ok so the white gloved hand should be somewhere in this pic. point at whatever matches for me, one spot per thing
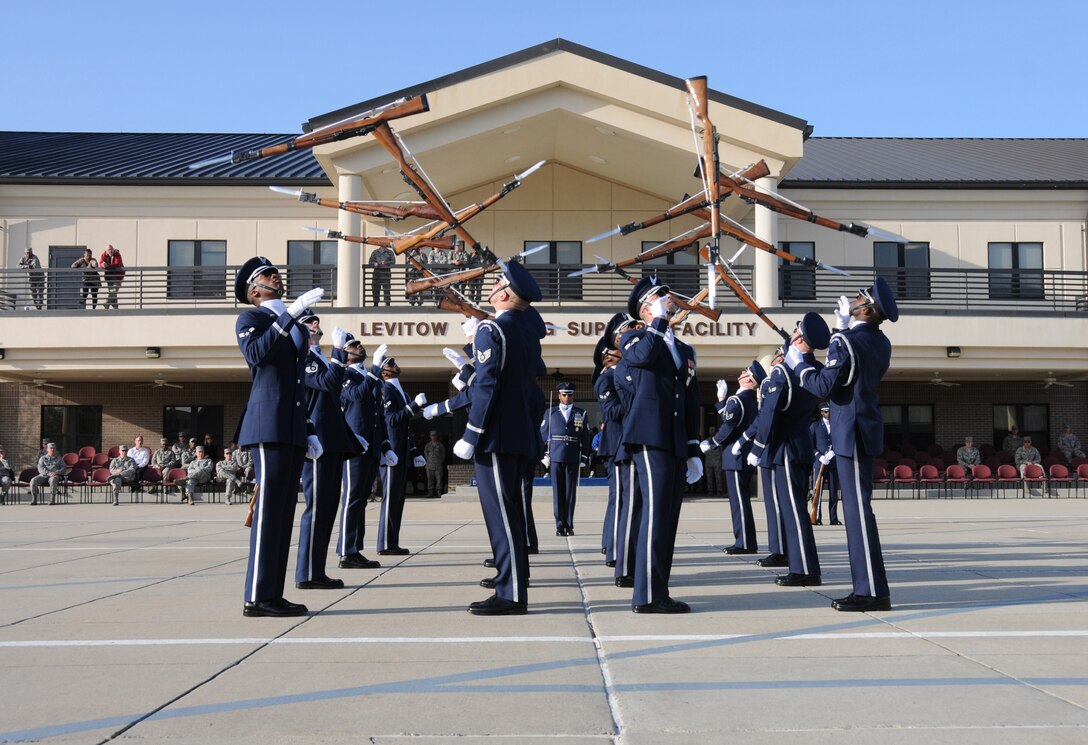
(546, 461)
(305, 300)
(829, 455)
(390, 458)
(379, 355)
(695, 470)
(737, 447)
(456, 358)
(362, 441)
(794, 357)
(275, 305)
(464, 450)
(842, 313)
(753, 460)
(421, 399)
(340, 337)
(430, 412)
(313, 447)
(706, 446)
(469, 327)
(419, 461)
(657, 308)
(825, 460)
(458, 383)
(723, 389)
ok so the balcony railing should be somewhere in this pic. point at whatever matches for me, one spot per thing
(173, 288)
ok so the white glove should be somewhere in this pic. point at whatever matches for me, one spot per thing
(842, 313)
(379, 355)
(824, 459)
(390, 458)
(363, 442)
(455, 357)
(305, 300)
(723, 389)
(753, 460)
(546, 461)
(469, 327)
(706, 446)
(829, 455)
(340, 337)
(737, 447)
(313, 447)
(419, 461)
(421, 399)
(464, 450)
(458, 383)
(275, 305)
(695, 470)
(430, 412)
(657, 308)
(794, 357)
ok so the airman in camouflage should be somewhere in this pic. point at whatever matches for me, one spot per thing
(51, 470)
(122, 471)
(244, 459)
(1069, 444)
(201, 469)
(230, 473)
(188, 453)
(7, 477)
(165, 458)
(968, 455)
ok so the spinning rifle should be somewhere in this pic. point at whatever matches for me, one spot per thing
(438, 281)
(373, 209)
(814, 508)
(383, 240)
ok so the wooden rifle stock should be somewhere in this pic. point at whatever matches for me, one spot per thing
(814, 509)
(754, 196)
(435, 282)
(252, 506)
(388, 241)
(742, 294)
(697, 90)
(464, 308)
(746, 236)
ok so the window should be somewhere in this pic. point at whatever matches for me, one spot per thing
(186, 279)
(1032, 419)
(554, 282)
(197, 421)
(72, 427)
(905, 267)
(316, 267)
(684, 278)
(798, 282)
(907, 425)
(1016, 271)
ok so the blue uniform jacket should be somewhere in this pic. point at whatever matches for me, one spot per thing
(324, 380)
(820, 438)
(361, 400)
(276, 412)
(737, 414)
(398, 413)
(663, 399)
(856, 361)
(783, 420)
(611, 412)
(566, 440)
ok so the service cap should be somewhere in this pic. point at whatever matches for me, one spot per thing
(814, 330)
(521, 281)
(249, 271)
(646, 288)
(882, 298)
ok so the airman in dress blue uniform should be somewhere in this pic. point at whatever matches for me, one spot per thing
(565, 433)
(824, 454)
(274, 427)
(857, 358)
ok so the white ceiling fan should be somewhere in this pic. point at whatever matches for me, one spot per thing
(158, 383)
(1050, 380)
(42, 383)
(936, 380)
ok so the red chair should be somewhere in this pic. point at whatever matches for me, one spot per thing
(1078, 462)
(956, 474)
(114, 452)
(171, 478)
(152, 480)
(1082, 475)
(1034, 474)
(902, 475)
(928, 474)
(99, 460)
(1007, 474)
(1055, 457)
(87, 451)
(980, 475)
(70, 460)
(77, 477)
(881, 477)
(100, 479)
(910, 463)
(1059, 474)
(949, 458)
(24, 481)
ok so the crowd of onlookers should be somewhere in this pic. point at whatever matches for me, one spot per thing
(109, 268)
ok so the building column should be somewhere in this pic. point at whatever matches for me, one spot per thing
(766, 265)
(349, 256)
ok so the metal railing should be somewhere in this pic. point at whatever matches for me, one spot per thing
(162, 288)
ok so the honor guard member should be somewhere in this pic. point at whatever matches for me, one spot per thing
(737, 413)
(361, 399)
(661, 432)
(857, 358)
(566, 449)
(321, 476)
(273, 426)
(782, 443)
(231, 474)
(605, 358)
(122, 471)
(502, 435)
(824, 453)
(399, 410)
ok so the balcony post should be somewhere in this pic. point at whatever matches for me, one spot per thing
(766, 265)
(348, 254)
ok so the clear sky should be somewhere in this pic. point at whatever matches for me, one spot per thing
(882, 68)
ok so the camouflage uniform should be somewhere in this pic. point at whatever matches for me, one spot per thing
(122, 471)
(413, 273)
(200, 472)
(164, 459)
(232, 475)
(380, 274)
(187, 456)
(1069, 444)
(33, 266)
(967, 457)
(244, 459)
(7, 478)
(48, 464)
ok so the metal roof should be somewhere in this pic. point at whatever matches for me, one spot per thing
(149, 158)
(875, 162)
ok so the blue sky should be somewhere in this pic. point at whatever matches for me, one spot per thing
(882, 68)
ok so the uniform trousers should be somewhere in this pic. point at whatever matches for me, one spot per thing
(531, 541)
(739, 486)
(628, 518)
(277, 468)
(321, 487)
(774, 514)
(394, 482)
(661, 487)
(611, 515)
(499, 480)
(862, 538)
(829, 489)
(355, 485)
(564, 493)
(797, 538)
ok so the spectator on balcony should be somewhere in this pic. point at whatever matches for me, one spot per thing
(231, 474)
(968, 455)
(1070, 445)
(90, 282)
(1013, 440)
(7, 477)
(113, 268)
(142, 457)
(381, 274)
(200, 471)
(33, 266)
(122, 471)
(50, 471)
(413, 273)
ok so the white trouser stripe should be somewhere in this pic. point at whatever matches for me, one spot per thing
(796, 518)
(496, 477)
(616, 511)
(740, 505)
(259, 526)
(386, 506)
(345, 494)
(862, 525)
(648, 504)
(313, 520)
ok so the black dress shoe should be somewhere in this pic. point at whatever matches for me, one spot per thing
(836, 522)
(625, 581)
(604, 550)
(610, 563)
(532, 550)
(861, 603)
(488, 582)
(667, 605)
(496, 606)
(489, 563)
(321, 583)
(818, 522)
(394, 552)
(794, 579)
(358, 561)
(773, 560)
(734, 550)
(570, 531)
(273, 608)
(561, 531)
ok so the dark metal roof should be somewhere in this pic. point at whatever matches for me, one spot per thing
(148, 158)
(955, 163)
(541, 50)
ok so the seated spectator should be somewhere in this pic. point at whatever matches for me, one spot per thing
(1069, 444)
(968, 455)
(231, 474)
(7, 477)
(1013, 440)
(122, 471)
(188, 453)
(1027, 454)
(244, 459)
(142, 458)
(200, 471)
(209, 445)
(165, 457)
(51, 471)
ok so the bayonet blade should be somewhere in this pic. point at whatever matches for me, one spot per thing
(212, 161)
(832, 269)
(602, 236)
(286, 190)
(530, 170)
(886, 235)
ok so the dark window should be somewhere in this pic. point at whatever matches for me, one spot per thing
(907, 425)
(72, 427)
(1016, 271)
(564, 257)
(197, 421)
(1032, 419)
(905, 267)
(679, 270)
(311, 264)
(197, 270)
(798, 282)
